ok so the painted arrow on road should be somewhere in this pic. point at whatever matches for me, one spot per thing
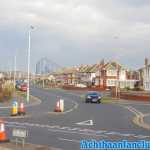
(86, 123)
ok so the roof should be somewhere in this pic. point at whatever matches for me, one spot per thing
(113, 64)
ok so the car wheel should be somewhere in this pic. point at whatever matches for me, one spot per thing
(98, 101)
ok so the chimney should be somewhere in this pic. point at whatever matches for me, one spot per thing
(146, 61)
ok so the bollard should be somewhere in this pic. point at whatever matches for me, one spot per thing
(14, 108)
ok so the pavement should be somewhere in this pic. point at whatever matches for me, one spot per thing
(121, 120)
(12, 146)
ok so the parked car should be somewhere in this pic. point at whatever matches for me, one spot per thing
(23, 87)
(93, 97)
(18, 86)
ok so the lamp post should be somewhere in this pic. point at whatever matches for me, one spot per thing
(14, 71)
(29, 54)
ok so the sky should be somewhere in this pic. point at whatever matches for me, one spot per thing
(74, 32)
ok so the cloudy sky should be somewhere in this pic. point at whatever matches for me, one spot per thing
(73, 32)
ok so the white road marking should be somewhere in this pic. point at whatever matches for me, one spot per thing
(77, 132)
(86, 123)
(72, 130)
(69, 140)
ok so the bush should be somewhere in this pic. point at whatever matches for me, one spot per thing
(7, 91)
(1, 96)
(127, 88)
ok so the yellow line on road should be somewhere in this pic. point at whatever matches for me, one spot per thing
(138, 119)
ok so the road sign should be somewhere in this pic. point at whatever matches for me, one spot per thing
(20, 134)
(87, 123)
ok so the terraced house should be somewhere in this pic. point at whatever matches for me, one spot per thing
(101, 75)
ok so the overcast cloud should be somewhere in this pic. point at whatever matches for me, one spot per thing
(73, 32)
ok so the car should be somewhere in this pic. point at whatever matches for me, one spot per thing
(93, 97)
(23, 87)
(18, 86)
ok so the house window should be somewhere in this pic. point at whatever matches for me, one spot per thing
(111, 82)
(111, 72)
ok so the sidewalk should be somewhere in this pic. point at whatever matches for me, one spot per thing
(12, 146)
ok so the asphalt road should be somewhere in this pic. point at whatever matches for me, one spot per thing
(104, 121)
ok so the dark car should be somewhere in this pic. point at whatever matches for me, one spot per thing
(93, 97)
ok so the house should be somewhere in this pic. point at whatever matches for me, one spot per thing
(89, 73)
(146, 76)
(67, 76)
(113, 74)
(102, 75)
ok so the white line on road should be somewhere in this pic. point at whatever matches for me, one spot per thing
(73, 130)
(86, 123)
(76, 132)
(69, 140)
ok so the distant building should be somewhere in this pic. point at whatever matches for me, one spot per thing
(43, 66)
(46, 66)
(146, 75)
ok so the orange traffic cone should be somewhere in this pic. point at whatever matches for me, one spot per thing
(21, 110)
(3, 137)
(57, 109)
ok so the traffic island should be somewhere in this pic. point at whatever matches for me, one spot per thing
(17, 108)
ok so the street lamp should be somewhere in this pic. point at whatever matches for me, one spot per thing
(29, 53)
(14, 71)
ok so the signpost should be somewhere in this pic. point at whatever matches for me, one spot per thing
(20, 134)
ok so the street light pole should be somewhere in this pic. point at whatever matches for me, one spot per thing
(14, 71)
(29, 54)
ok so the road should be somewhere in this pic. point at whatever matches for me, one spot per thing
(112, 121)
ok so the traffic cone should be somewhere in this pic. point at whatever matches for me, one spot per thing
(57, 108)
(3, 137)
(21, 110)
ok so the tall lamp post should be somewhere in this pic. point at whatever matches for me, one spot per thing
(29, 53)
(14, 71)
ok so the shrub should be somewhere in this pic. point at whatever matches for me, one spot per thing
(1, 96)
(127, 88)
(8, 90)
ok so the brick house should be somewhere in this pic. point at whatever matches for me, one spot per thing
(112, 74)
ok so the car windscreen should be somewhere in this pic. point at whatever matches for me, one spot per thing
(94, 94)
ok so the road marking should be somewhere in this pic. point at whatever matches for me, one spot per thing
(72, 130)
(138, 119)
(86, 123)
(77, 132)
(69, 140)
